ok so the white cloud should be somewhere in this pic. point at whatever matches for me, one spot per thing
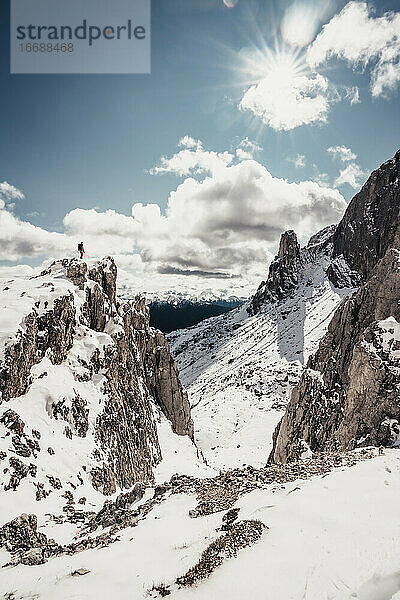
(247, 149)
(358, 37)
(226, 222)
(353, 175)
(352, 94)
(188, 142)
(219, 225)
(321, 178)
(342, 152)
(299, 23)
(9, 195)
(229, 219)
(22, 239)
(287, 100)
(299, 161)
(193, 160)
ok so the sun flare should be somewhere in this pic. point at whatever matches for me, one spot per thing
(282, 91)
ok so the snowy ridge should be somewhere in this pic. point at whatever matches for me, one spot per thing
(239, 369)
(48, 435)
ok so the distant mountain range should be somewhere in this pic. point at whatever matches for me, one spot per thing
(169, 316)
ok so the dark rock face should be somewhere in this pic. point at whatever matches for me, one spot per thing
(162, 375)
(372, 220)
(105, 274)
(52, 331)
(126, 428)
(21, 533)
(283, 273)
(164, 384)
(348, 395)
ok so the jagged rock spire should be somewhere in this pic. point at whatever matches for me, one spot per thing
(283, 273)
(289, 248)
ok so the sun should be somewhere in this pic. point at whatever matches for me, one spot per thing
(282, 70)
(281, 90)
(281, 66)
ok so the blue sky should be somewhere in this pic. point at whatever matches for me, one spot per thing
(84, 141)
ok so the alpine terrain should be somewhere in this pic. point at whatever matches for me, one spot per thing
(253, 455)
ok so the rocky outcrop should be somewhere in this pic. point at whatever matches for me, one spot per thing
(286, 270)
(283, 274)
(162, 377)
(371, 223)
(126, 430)
(348, 394)
(49, 332)
(114, 356)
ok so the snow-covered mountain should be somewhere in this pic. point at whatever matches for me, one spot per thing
(348, 395)
(104, 494)
(240, 368)
(175, 288)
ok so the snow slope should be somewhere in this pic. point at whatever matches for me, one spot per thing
(334, 537)
(239, 370)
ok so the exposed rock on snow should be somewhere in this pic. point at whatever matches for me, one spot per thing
(28, 546)
(371, 223)
(240, 535)
(221, 492)
(81, 377)
(354, 401)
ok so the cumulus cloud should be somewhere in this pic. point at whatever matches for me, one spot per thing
(188, 142)
(353, 175)
(231, 217)
(284, 101)
(358, 37)
(20, 239)
(299, 161)
(342, 152)
(193, 159)
(247, 149)
(221, 224)
(9, 195)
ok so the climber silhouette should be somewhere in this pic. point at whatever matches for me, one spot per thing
(81, 249)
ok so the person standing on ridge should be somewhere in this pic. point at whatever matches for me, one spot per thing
(81, 249)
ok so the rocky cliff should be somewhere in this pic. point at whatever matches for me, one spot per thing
(348, 394)
(82, 380)
(372, 221)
